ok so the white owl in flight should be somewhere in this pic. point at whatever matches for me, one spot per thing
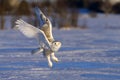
(47, 43)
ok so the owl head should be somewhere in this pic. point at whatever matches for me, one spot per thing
(56, 46)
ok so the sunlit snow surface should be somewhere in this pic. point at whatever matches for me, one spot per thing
(85, 55)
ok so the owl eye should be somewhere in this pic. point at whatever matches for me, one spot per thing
(46, 19)
(55, 43)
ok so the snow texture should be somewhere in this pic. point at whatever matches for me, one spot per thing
(85, 55)
(101, 21)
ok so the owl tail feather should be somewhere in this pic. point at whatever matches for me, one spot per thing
(37, 51)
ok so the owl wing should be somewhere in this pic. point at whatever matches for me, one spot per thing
(47, 26)
(32, 32)
(40, 18)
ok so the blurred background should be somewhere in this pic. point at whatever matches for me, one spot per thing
(63, 13)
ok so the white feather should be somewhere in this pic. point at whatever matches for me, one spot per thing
(27, 29)
(32, 32)
(47, 27)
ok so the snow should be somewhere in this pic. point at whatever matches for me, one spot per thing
(85, 55)
(101, 21)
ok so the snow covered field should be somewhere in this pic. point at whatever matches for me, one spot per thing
(100, 21)
(85, 55)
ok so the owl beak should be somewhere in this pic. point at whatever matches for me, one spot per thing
(58, 43)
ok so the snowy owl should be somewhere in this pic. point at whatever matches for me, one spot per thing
(48, 45)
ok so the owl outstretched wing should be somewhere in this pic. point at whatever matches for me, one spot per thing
(47, 25)
(32, 32)
(40, 18)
